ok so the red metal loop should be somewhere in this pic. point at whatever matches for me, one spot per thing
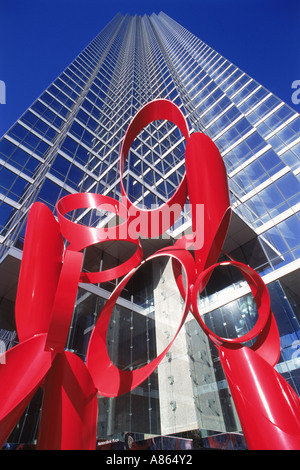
(82, 236)
(264, 323)
(108, 379)
(156, 221)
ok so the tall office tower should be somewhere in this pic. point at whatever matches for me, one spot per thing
(69, 141)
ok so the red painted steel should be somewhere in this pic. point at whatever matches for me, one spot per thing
(39, 274)
(23, 372)
(64, 301)
(27, 365)
(154, 222)
(268, 408)
(109, 380)
(70, 406)
(207, 185)
(81, 236)
(261, 296)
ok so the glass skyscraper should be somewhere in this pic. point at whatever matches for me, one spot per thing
(69, 141)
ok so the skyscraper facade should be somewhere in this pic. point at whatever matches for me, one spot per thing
(69, 141)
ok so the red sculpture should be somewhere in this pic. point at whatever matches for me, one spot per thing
(269, 410)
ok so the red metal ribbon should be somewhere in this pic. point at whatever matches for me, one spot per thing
(157, 221)
(82, 236)
(110, 380)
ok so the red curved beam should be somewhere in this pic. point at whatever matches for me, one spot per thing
(39, 274)
(64, 302)
(268, 408)
(82, 236)
(261, 297)
(23, 372)
(109, 380)
(207, 186)
(70, 407)
(154, 222)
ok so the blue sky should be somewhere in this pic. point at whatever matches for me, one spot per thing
(39, 38)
